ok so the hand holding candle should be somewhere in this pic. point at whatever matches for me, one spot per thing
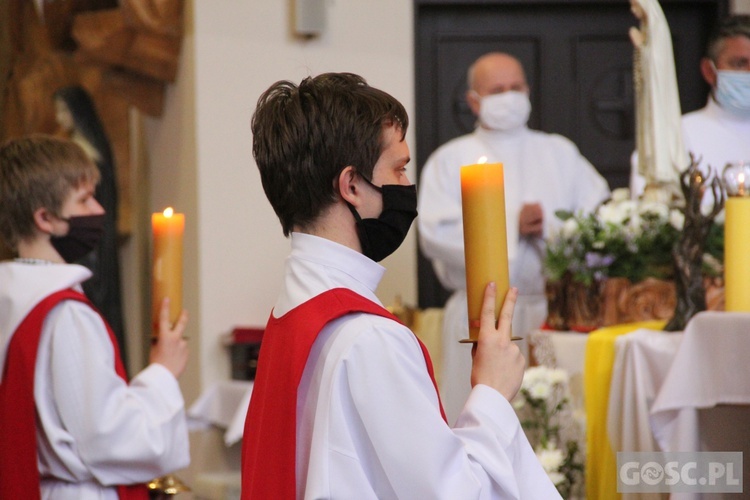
(485, 238)
(166, 277)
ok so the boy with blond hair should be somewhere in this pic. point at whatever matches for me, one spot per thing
(71, 427)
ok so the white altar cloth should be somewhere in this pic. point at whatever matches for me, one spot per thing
(671, 391)
(710, 368)
(642, 360)
(564, 350)
(224, 404)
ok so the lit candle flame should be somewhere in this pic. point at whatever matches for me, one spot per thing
(482, 160)
(168, 212)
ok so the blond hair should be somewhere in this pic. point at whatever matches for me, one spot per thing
(38, 171)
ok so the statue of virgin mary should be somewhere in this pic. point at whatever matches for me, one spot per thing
(661, 152)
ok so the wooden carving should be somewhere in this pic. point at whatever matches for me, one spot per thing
(647, 300)
(162, 17)
(123, 53)
(140, 44)
(574, 306)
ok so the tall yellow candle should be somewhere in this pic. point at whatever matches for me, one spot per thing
(166, 276)
(485, 238)
(736, 252)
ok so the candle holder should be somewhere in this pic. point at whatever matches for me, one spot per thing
(166, 486)
(688, 253)
(736, 180)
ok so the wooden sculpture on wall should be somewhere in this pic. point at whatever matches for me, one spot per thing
(123, 53)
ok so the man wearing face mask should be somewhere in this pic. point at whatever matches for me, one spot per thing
(543, 173)
(71, 427)
(344, 403)
(719, 133)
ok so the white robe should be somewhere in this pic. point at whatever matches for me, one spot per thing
(538, 167)
(136, 433)
(368, 423)
(715, 137)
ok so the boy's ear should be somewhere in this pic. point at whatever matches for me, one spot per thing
(43, 220)
(348, 185)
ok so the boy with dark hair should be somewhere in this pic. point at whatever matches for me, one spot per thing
(70, 425)
(344, 403)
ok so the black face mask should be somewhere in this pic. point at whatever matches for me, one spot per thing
(84, 234)
(382, 236)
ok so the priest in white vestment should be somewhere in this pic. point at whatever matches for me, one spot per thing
(543, 173)
(719, 133)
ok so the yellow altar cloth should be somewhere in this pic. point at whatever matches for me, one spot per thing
(601, 463)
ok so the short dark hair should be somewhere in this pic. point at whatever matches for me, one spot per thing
(304, 136)
(38, 171)
(730, 27)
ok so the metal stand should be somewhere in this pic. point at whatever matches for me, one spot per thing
(166, 486)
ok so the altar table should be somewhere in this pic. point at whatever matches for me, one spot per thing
(711, 368)
(224, 404)
(670, 391)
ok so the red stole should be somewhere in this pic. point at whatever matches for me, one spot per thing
(269, 440)
(19, 472)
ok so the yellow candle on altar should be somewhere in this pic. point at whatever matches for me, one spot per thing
(736, 254)
(166, 276)
(485, 238)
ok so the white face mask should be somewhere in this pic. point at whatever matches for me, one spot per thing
(733, 91)
(505, 111)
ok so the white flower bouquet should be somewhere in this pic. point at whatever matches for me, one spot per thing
(602, 267)
(621, 238)
(541, 404)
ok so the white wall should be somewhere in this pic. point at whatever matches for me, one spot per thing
(201, 157)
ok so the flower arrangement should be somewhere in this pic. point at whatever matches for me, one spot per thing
(622, 238)
(541, 404)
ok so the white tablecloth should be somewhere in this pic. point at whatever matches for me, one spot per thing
(642, 360)
(660, 381)
(224, 404)
(564, 350)
(710, 368)
(664, 382)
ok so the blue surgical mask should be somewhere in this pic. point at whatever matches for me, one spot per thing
(733, 92)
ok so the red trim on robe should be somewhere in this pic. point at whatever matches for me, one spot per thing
(269, 439)
(19, 471)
